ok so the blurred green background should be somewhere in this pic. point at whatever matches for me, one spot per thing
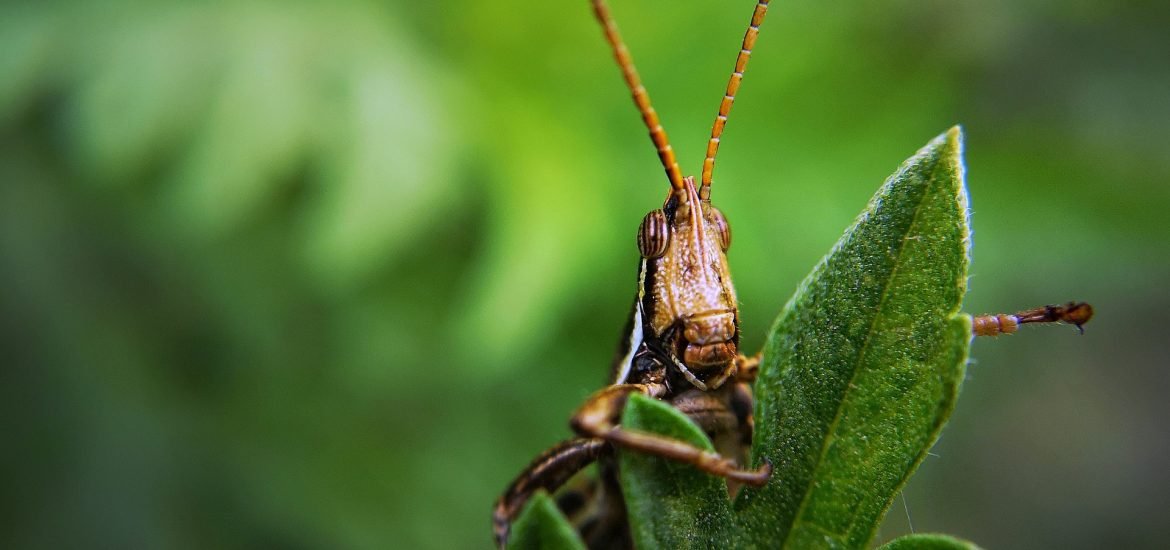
(328, 274)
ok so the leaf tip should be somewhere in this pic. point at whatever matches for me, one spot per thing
(542, 525)
(955, 134)
(950, 147)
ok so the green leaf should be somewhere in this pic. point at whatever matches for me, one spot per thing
(671, 505)
(862, 367)
(542, 525)
(928, 541)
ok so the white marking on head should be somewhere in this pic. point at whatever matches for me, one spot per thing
(635, 340)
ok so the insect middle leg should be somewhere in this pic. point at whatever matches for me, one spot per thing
(599, 418)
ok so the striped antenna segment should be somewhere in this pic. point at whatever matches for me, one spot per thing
(641, 98)
(745, 52)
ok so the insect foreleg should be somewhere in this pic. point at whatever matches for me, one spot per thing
(549, 471)
(599, 417)
(747, 368)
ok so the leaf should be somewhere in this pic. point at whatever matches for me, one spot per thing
(671, 505)
(862, 367)
(542, 525)
(928, 541)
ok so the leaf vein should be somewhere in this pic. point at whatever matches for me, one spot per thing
(862, 354)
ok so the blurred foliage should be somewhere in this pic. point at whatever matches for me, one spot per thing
(326, 275)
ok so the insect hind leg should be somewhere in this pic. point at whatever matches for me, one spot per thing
(548, 471)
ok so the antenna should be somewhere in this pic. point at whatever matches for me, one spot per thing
(641, 98)
(741, 60)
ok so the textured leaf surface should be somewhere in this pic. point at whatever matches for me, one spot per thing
(671, 505)
(863, 365)
(928, 541)
(541, 525)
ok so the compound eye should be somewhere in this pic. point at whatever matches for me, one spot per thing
(722, 227)
(653, 234)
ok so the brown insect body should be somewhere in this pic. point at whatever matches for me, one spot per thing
(682, 347)
(681, 344)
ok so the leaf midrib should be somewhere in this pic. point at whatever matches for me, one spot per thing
(864, 352)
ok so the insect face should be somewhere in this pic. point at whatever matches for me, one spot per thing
(688, 303)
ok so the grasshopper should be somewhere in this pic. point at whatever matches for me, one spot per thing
(681, 343)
